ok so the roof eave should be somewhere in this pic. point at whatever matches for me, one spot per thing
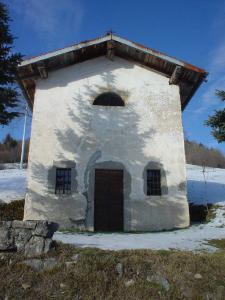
(194, 89)
(108, 38)
(197, 74)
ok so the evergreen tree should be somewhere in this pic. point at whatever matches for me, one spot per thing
(9, 141)
(9, 96)
(217, 121)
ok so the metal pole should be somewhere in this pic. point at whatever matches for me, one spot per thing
(23, 139)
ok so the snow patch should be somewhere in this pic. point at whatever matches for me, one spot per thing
(205, 187)
(193, 238)
(12, 185)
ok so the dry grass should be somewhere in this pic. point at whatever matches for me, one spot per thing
(12, 211)
(220, 244)
(211, 212)
(94, 276)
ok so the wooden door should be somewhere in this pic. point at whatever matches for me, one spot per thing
(108, 199)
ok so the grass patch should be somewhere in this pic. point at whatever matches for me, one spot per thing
(220, 244)
(211, 213)
(12, 211)
(94, 275)
(72, 230)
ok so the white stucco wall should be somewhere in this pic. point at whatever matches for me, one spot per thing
(66, 126)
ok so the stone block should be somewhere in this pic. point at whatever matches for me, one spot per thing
(41, 264)
(24, 224)
(49, 263)
(35, 246)
(48, 245)
(6, 224)
(6, 239)
(45, 229)
(36, 264)
(31, 237)
(21, 236)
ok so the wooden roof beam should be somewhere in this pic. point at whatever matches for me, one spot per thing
(176, 75)
(110, 50)
(43, 72)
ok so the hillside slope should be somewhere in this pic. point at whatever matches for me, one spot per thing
(205, 186)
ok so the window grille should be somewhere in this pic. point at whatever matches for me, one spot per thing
(153, 182)
(63, 181)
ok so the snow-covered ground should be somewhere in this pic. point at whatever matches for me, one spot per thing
(205, 187)
(12, 184)
(202, 187)
(193, 238)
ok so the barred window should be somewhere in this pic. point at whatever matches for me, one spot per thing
(63, 181)
(153, 182)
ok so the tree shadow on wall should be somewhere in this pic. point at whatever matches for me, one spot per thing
(90, 134)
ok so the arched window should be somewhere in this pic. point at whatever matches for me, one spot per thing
(108, 99)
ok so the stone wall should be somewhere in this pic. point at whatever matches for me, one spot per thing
(30, 237)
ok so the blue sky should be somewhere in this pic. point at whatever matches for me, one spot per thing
(189, 30)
